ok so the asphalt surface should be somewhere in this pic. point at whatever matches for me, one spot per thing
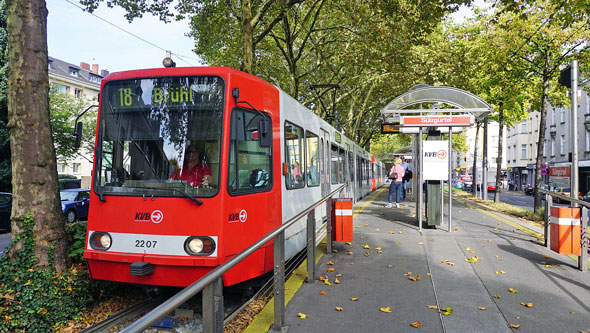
(477, 293)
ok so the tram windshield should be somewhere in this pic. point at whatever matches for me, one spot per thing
(160, 136)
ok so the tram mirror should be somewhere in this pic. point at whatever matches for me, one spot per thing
(78, 134)
(264, 133)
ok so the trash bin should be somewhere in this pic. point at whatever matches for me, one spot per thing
(565, 230)
(342, 220)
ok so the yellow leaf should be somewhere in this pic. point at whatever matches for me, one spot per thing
(330, 269)
(339, 275)
(548, 266)
(286, 287)
(338, 308)
(490, 241)
(481, 308)
(377, 230)
(386, 309)
(322, 292)
(378, 249)
(514, 291)
(349, 253)
(399, 232)
(392, 231)
(430, 239)
(528, 305)
(497, 296)
(334, 251)
(354, 298)
(416, 324)
(366, 224)
(348, 243)
(496, 229)
(421, 243)
(328, 283)
(433, 307)
(323, 278)
(336, 281)
(366, 247)
(330, 263)
(412, 278)
(456, 228)
(408, 273)
(428, 274)
(444, 261)
(501, 271)
(302, 316)
(399, 243)
(468, 249)
(542, 263)
(547, 257)
(514, 326)
(29, 283)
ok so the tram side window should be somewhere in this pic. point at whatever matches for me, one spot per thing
(312, 159)
(341, 162)
(335, 164)
(250, 166)
(294, 150)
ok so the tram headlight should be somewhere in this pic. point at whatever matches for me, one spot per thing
(199, 246)
(100, 241)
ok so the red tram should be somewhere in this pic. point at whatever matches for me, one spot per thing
(192, 165)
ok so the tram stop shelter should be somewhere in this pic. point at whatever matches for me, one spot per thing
(435, 110)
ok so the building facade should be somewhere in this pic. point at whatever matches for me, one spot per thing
(81, 82)
(466, 159)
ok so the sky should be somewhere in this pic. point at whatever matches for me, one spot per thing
(77, 36)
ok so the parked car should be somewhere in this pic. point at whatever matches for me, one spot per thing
(74, 203)
(5, 208)
(492, 186)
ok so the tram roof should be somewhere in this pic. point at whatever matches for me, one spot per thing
(460, 101)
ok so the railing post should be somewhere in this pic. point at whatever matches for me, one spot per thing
(213, 307)
(329, 226)
(311, 247)
(548, 204)
(583, 258)
(279, 283)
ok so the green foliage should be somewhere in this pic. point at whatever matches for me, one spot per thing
(76, 233)
(5, 168)
(38, 300)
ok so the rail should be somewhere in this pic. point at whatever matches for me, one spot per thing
(549, 196)
(211, 283)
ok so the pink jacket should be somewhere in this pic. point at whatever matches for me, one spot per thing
(400, 172)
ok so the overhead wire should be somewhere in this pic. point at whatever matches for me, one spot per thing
(130, 33)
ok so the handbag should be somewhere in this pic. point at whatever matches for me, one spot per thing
(392, 176)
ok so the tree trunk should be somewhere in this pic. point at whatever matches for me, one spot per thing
(499, 158)
(248, 35)
(34, 168)
(541, 140)
(474, 173)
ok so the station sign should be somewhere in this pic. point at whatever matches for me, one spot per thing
(390, 128)
(560, 176)
(436, 160)
(437, 121)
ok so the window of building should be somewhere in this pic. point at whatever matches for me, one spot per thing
(61, 168)
(553, 116)
(531, 150)
(544, 147)
(562, 115)
(508, 152)
(587, 140)
(523, 126)
(523, 151)
(50, 64)
(562, 145)
(78, 93)
(515, 152)
(64, 89)
(76, 168)
(312, 162)
(250, 166)
(552, 147)
(73, 71)
(294, 151)
(94, 78)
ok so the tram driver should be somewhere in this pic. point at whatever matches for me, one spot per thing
(194, 170)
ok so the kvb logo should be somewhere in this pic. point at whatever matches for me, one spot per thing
(442, 154)
(242, 216)
(156, 216)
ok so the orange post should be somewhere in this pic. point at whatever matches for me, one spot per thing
(565, 230)
(342, 220)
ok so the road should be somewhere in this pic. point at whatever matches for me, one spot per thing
(518, 199)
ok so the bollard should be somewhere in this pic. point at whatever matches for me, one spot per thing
(583, 258)
(548, 204)
(311, 247)
(213, 307)
(329, 226)
(279, 283)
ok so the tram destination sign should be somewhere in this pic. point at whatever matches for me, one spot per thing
(437, 121)
(390, 128)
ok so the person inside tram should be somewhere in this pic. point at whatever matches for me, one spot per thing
(297, 178)
(194, 170)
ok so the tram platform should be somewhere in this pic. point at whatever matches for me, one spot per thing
(489, 274)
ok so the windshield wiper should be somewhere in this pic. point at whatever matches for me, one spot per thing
(191, 198)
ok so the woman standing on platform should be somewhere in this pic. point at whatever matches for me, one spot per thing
(396, 174)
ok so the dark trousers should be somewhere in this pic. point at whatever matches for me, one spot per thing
(404, 188)
(397, 187)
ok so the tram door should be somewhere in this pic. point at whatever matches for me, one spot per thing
(325, 164)
(347, 173)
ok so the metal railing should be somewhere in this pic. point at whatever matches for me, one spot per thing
(549, 196)
(211, 284)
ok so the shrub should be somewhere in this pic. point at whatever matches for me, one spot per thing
(39, 300)
(76, 233)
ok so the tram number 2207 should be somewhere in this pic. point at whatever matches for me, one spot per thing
(145, 243)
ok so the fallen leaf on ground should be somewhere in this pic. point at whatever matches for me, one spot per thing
(386, 309)
(322, 292)
(547, 257)
(323, 278)
(349, 253)
(542, 263)
(392, 232)
(330, 269)
(334, 251)
(367, 254)
(377, 229)
(490, 241)
(378, 248)
(481, 308)
(330, 263)
(302, 315)
(366, 247)
(336, 281)
(339, 275)
(430, 239)
(366, 224)
(433, 307)
(354, 298)
(428, 274)
(338, 308)
(468, 249)
(328, 283)
(421, 243)
(390, 266)
(528, 305)
(514, 326)
(473, 259)
(447, 311)
(456, 228)
(408, 273)
(497, 296)
(416, 324)
(471, 251)
(512, 290)
(548, 266)
(348, 243)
